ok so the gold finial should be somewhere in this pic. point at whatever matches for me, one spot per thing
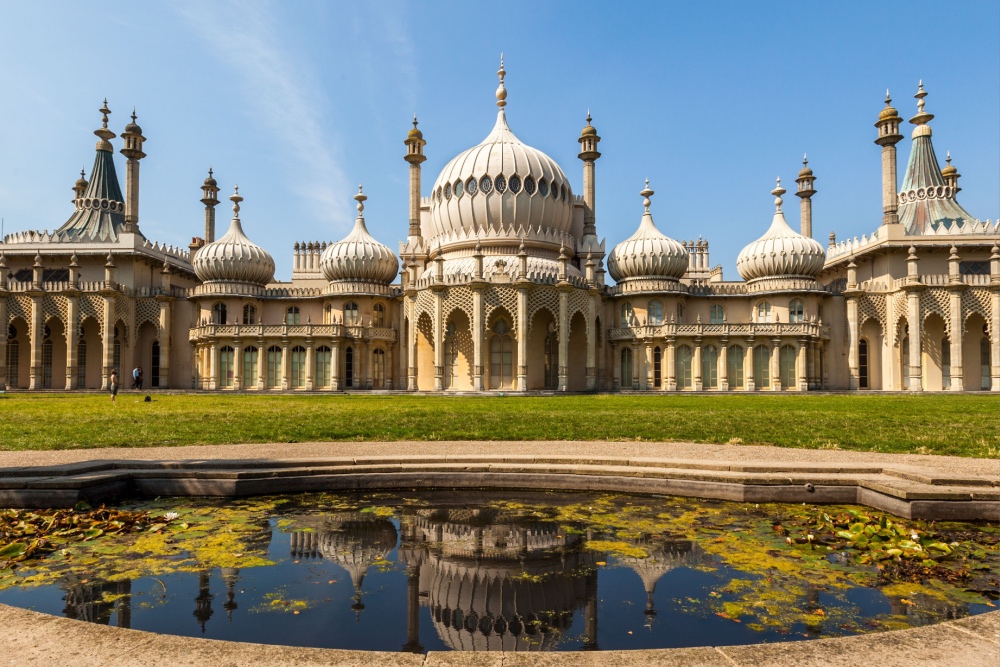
(133, 115)
(104, 113)
(921, 94)
(588, 116)
(414, 121)
(360, 198)
(777, 192)
(103, 133)
(805, 159)
(888, 100)
(948, 158)
(236, 199)
(501, 91)
(646, 194)
(922, 117)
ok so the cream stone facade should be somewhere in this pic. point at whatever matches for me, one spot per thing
(502, 288)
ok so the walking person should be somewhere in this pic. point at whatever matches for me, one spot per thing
(138, 380)
(135, 377)
(113, 380)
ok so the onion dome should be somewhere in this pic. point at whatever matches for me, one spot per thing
(414, 133)
(648, 253)
(950, 169)
(806, 171)
(355, 541)
(501, 184)
(133, 127)
(234, 258)
(359, 257)
(210, 181)
(81, 183)
(781, 252)
(589, 129)
(888, 111)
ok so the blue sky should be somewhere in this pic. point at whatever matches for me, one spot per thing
(300, 101)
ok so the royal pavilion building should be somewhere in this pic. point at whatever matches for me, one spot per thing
(502, 285)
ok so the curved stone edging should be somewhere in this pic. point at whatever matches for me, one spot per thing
(31, 638)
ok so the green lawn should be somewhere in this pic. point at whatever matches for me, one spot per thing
(963, 425)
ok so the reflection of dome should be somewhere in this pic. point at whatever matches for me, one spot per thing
(781, 252)
(234, 257)
(648, 253)
(359, 257)
(355, 540)
(663, 557)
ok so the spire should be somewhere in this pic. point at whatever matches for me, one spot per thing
(103, 133)
(922, 117)
(777, 192)
(646, 194)
(360, 198)
(501, 91)
(236, 199)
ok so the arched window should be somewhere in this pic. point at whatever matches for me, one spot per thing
(292, 315)
(904, 361)
(81, 364)
(250, 355)
(219, 313)
(655, 313)
(328, 314)
(716, 314)
(298, 359)
(349, 367)
(628, 314)
(450, 356)
(680, 312)
(863, 364)
(351, 314)
(501, 356)
(786, 366)
(154, 372)
(378, 315)
(734, 367)
(984, 360)
(945, 363)
(683, 366)
(710, 367)
(551, 357)
(763, 312)
(273, 367)
(762, 366)
(657, 368)
(249, 314)
(47, 364)
(116, 353)
(796, 312)
(226, 367)
(322, 373)
(13, 363)
(626, 368)
(378, 369)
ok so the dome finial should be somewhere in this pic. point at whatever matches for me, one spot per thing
(104, 113)
(236, 199)
(588, 116)
(414, 120)
(888, 100)
(922, 117)
(133, 114)
(360, 198)
(501, 91)
(646, 194)
(948, 158)
(777, 192)
(805, 159)
(103, 133)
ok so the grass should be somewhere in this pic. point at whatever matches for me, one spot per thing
(960, 425)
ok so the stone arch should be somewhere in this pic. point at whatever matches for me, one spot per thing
(975, 364)
(935, 352)
(146, 334)
(89, 363)
(18, 359)
(543, 349)
(458, 350)
(871, 332)
(576, 364)
(53, 354)
(425, 352)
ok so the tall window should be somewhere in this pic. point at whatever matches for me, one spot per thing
(763, 312)
(47, 364)
(786, 366)
(450, 356)
(13, 361)
(680, 312)
(250, 355)
(716, 315)
(626, 368)
(628, 314)
(349, 367)
(501, 356)
(657, 368)
(81, 364)
(298, 359)
(154, 372)
(273, 367)
(984, 361)
(796, 312)
(863, 364)
(655, 313)
(226, 367)
(328, 314)
(219, 313)
(249, 314)
(116, 354)
(683, 366)
(351, 314)
(710, 367)
(323, 356)
(292, 315)
(378, 369)
(904, 361)
(378, 315)
(945, 363)
(551, 358)
(734, 366)
(762, 366)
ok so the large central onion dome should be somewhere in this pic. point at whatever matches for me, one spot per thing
(781, 252)
(234, 258)
(359, 257)
(648, 253)
(500, 184)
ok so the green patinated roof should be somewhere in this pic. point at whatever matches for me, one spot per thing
(928, 212)
(95, 223)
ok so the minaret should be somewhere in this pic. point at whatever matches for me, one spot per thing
(588, 153)
(210, 190)
(888, 137)
(415, 156)
(951, 175)
(806, 191)
(133, 151)
(79, 188)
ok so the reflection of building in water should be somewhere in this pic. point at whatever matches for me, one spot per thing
(203, 603)
(664, 556)
(926, 610)
(96, 602)
(492, 583)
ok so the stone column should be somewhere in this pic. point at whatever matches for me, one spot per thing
(166, 324)
(387, 380)
(261, 360)
(286, 363)
(671, 380)
(108, 347)
(35, 342)
(635, 365)
(775, 364)
(616, 367)
(955, 339)
(995, 338)
(369, 363)
(563, 339)
(748, 368)
(195, 370)
(913, 319)
(72, 340)
(213, 365)
(478, 335)
(649, 380)
(592, 343)
(696, 371)
(811, 362)
(853, 340)
(438, 341)
(3, 333)
(310, 364)
(800, 365)
(237, 363)
(522, 339)
(411, 342)
(724, 365)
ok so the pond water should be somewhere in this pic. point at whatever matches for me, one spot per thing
(514, 572)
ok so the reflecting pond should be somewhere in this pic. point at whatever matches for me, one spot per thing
(486, 571)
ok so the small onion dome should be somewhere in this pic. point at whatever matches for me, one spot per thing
(806, 171)
(589, 129)
(414, 133)
(949, 170)
(133, 127)
(888, 111)
(210, 181)
(781, 252)
(648, 253)
(234, 257)
(81, 182)
(359, 257)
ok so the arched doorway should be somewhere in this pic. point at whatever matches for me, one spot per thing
(501, 355)
(626, 368)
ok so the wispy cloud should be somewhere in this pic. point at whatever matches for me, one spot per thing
(282, 93)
